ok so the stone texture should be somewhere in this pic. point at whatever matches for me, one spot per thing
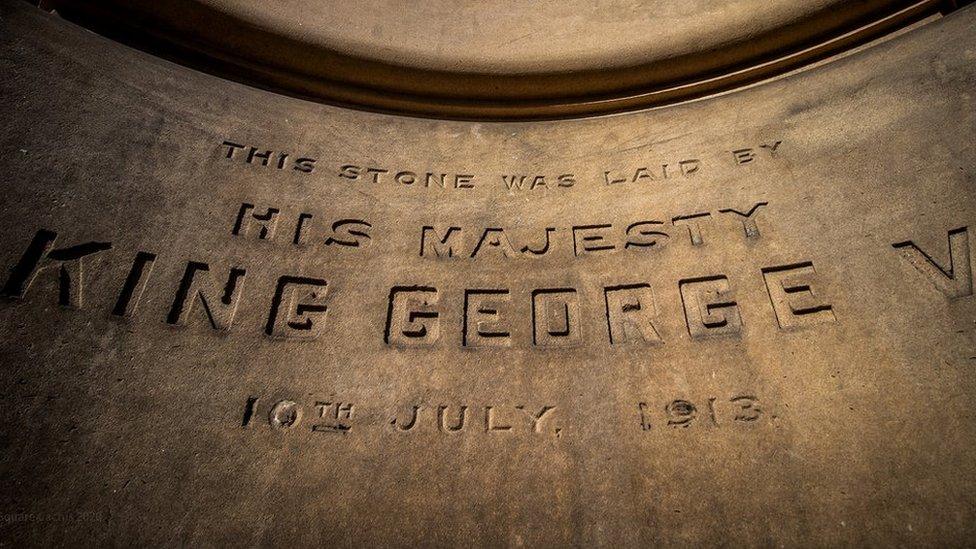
(741, 320)
(478, 60)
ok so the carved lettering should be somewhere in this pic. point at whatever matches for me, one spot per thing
(694, 224)
(484, 323)
(710, 308)
(794, 300)
(556, 317)
(220, 304)
(247, 217)
(41, 255)
(298, 308)
(350, 232)
(412, 318)
(494, 239)
(135, 285)
(448, 245)
(591, 238)
(641, 235)
(955, 281)
(748, 219)
(442, 424)
(630, 314)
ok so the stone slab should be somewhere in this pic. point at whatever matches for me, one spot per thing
(237, 317)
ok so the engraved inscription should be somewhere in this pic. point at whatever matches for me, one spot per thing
(956, 279)
(42, 256)
(412, 318)
(742, 409)
(457, 419)
(630, 314)
(710, 307)
(484, 323)
(408, 178)
(135, 284)
(265, 223)
(491, 316)
(258, 156)
(748, 219)
(286, 415)
(585, 240)
(520, 182)
(556, 317)
(220, 304)
(347, 233)
(794, 299)
(444, 425)
(748, 155)
(650, 173)
(337, 417)
(298, 309)
(447, 244)
(694, 224)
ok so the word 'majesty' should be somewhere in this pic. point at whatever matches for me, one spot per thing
(443, 241)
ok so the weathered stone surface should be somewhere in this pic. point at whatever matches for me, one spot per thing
(232, 316)
(475, 59)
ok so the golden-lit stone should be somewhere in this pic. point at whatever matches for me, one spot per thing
(231, 315)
